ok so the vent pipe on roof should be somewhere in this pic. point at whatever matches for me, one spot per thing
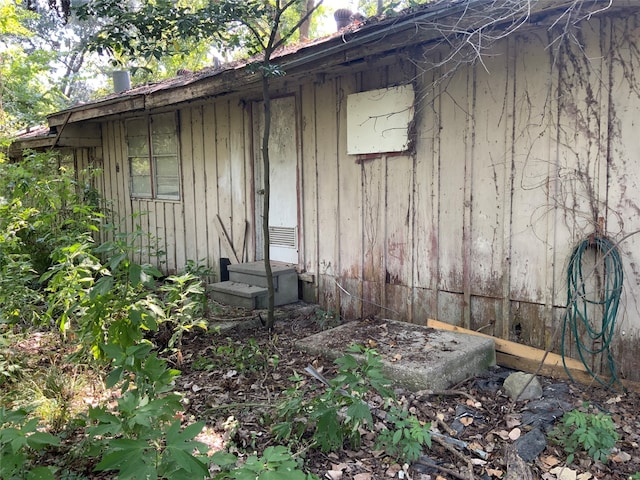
(121, 80)
(342, 17)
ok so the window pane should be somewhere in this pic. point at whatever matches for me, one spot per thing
(163, 124)
(137, 137)
(167, 177)
(139, 166)
(141, 186)
(164, 145)
(140, 176)
(163, 134)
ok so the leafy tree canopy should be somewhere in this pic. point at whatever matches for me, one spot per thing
(26, 95)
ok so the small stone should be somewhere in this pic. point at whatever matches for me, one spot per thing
(530, 445)
(522, 386)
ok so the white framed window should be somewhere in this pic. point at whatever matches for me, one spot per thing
(154, 166)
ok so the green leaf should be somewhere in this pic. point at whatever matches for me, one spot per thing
(224, 459)
(282, 475)
(41, 473)
(397, 436)
(114, 377)
(360, 412)
(135, 274)
(102, 286)
(116, 260)
(276, 454)
(186, 461)
(39, 440)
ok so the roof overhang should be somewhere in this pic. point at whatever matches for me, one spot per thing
(417, 27)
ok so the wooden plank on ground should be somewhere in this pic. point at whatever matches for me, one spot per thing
(528, 359)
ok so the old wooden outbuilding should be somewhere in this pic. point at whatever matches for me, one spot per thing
(444, 163)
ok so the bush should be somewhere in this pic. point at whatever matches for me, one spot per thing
(579, 431)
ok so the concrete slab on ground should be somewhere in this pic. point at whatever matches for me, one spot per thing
(414, 357)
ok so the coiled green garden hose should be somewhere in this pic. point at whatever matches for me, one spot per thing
(593, 336)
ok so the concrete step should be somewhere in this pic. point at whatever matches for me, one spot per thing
(254, 273)
(285, 279)
(247, 286)
(239, 294)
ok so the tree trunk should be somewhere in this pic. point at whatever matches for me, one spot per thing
(306, 25)
(266, 97)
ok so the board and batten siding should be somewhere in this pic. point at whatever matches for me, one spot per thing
(515, 161)
(214, 183)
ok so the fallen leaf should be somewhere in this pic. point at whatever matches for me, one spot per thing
(475, 446)
(585, 476)
(621, 457)
(515, 434)
(372, 343)
(494, 472)
(503, 434)
(478, 461)
(614, 400)
(564, 473)
(396, 357)
(362, 476)
(466, 421)
(334, 475)
(512, 421)
(549, 461)
(393, 470)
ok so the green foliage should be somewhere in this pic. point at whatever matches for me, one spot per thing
(341, 412)
(276, 463)
(109, 305)
(25, 94)
(109, 300)
(10, 364)
(185, 305)
(142, 438)
(579, 431)
(42, 210)
(50, 394)
(406, 437)
(20, 441)
(157, 30)
(327, 319)
(242, 356)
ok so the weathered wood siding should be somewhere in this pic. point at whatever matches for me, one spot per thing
(515, 161)
(214, 152)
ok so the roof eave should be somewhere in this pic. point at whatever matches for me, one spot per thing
(238, 79)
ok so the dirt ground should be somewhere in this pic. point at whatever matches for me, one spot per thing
(225, 386)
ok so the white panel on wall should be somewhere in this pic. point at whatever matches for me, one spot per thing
(378, 120)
